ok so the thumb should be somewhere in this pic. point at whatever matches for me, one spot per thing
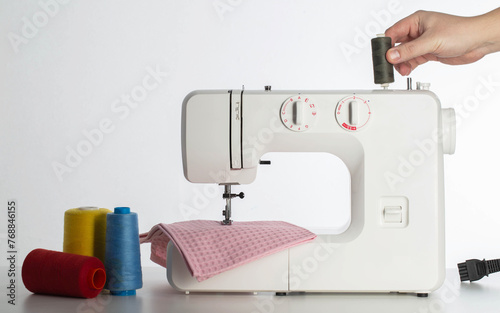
(409, 50)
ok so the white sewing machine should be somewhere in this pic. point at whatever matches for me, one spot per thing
(392, 142)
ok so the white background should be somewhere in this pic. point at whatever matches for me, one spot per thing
(64, 80)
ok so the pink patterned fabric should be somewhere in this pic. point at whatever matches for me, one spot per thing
(209, 248)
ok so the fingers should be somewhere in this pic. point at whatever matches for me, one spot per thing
(410, 50)
(406, 29)
(414, 43)
(405, 68)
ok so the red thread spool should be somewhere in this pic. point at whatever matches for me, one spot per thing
(63, 274)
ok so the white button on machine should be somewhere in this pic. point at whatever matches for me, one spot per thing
(353, 113)
(393, 214)
(298, 111)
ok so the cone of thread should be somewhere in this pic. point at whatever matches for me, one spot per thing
(63, 274)
(383, 71)
(85, 231)
(123, 258)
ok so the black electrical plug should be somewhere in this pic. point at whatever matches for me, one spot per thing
(475, 269)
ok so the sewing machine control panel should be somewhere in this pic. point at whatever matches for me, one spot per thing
(299, 113)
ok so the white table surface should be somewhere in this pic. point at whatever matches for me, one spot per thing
(157, 296)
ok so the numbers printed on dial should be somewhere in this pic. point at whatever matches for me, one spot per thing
(298, 113)
(353, 112)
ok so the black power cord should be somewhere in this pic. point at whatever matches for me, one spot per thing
(475, 269)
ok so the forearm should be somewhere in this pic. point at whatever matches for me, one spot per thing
(489, 30)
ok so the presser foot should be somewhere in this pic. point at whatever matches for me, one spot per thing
(227, 211)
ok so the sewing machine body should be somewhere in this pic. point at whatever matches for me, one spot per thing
(392, 143)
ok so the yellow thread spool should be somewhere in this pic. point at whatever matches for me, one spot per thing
(85, 231)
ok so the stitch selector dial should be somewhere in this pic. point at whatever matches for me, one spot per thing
(298, 113)
(353, 112)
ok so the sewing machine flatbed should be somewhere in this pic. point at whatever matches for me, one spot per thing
(391, 141)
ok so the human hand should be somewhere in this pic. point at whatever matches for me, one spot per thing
(432, 36)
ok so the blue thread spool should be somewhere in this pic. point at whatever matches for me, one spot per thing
(123, 256)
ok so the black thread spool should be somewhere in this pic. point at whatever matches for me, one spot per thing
(383, 71)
